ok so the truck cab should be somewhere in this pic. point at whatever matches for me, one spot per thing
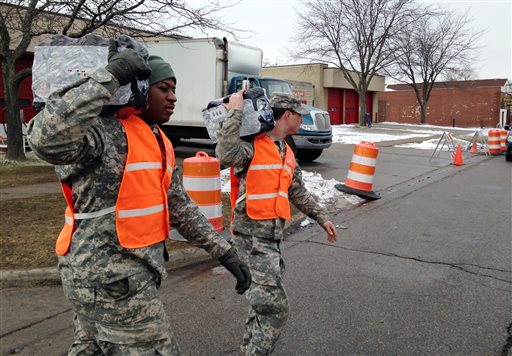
(315, 133)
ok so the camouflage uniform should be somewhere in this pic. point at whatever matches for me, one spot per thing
(113, 290)
(258, 242)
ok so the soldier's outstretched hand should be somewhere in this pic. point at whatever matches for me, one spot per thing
(330, 229)
(238, 269)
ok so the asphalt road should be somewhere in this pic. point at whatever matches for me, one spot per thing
(426, 270)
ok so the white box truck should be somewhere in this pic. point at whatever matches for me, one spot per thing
(204, 68)
(210, 68)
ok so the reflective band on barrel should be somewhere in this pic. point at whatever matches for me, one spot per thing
(141, 212)
(283, 194)
(68, 220)
(259, 167)
(201, 183)
(360, 177)
(364, 160)
(143, 165)
(211, 211)
(95, 214)
(362, 169)
(261, 196)
(493, 142)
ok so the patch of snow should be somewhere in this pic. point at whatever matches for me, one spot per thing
(432, 144)
(443, 128)
(347, 134)
(305, 222)
(323, 189)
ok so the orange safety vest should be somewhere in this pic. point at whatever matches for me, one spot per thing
(268, 180)
(142, 215)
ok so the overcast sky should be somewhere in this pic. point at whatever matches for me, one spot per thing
(272, 23)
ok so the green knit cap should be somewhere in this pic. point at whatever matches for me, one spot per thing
(160, 70)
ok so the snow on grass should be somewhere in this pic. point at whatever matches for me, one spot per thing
(432, 144)
(442, 128)
(349, 134)
(323, 189)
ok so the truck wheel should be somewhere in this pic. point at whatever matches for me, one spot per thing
(289, 140)
(175, 140)
(308, 155)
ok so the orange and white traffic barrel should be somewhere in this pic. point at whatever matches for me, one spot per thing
(503, 140)
(201, 179)
(360, 175)
(493, 142)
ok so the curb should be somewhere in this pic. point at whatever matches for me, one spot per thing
(177, 259)
(50, 275)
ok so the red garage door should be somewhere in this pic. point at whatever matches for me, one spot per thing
(351, 107)
(335, 105)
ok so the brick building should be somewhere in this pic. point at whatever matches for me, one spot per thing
(332, 92)
(471, 103)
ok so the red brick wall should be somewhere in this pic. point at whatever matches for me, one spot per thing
(469, 107)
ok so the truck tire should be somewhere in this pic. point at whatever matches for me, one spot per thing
(308, 155)
(289, 140)
(175, 140)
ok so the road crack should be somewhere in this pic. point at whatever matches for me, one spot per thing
(459, 266)
(34, 323)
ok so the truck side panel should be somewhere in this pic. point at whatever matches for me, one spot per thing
(199, 65)
(243, 60)
(196, 65)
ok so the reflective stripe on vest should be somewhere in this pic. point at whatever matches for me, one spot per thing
(142, 217)
(268, 180)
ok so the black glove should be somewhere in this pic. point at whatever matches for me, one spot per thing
(238, 269)
(126, 65)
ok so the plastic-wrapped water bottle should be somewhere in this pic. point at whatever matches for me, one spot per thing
(257, 114)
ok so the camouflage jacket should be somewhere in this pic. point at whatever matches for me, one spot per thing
(237, 153)
(90, 152)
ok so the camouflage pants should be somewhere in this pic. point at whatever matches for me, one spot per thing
(121, 318)
(268, 310)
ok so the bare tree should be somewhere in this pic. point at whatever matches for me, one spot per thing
(457, 74)
(352, 35)
(21, 21)
(433, 47)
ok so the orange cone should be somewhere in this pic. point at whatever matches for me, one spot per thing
(473, 148)
(457, 160)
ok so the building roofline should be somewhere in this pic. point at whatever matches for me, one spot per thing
(325, 67)
(497, 82)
